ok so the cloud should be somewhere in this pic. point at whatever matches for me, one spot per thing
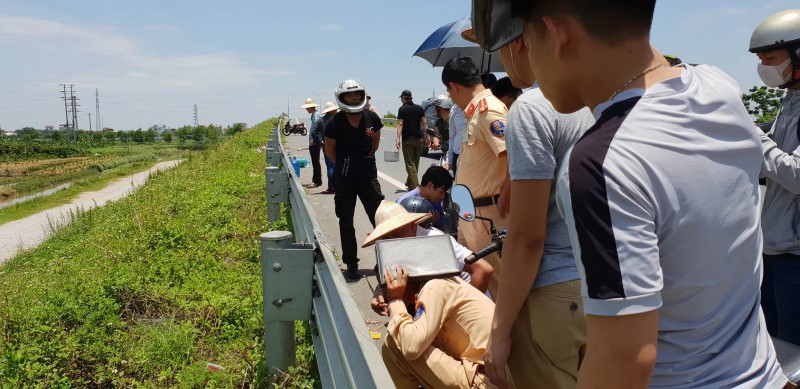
(331, 27)
(134, 64)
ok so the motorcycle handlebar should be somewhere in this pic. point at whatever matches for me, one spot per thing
(496, 245)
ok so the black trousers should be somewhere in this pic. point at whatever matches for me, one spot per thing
(368, 190)
(317, 176)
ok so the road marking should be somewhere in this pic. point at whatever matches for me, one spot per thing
(391, 180)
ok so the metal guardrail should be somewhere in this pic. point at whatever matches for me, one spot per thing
(389, 121)
(302, 281)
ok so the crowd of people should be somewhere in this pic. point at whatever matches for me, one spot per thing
(638, 252)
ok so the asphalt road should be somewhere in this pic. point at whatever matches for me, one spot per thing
(391, 176)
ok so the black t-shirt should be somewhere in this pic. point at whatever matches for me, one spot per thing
(411, 114)
(354, 145)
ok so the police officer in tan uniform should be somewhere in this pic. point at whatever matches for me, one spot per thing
(483, 164)
(438, 329)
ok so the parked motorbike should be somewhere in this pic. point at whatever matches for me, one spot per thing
(463, 205)
(297, 128)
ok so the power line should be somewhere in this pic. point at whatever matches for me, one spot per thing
(66, 109)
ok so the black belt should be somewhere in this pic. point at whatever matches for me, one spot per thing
(486, 201)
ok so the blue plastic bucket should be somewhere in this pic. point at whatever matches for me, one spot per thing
(296, 166)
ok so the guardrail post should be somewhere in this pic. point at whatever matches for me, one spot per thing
(286, 274)
(277, 187)
(273, 156)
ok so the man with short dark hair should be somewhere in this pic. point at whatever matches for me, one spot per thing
(670, 273)
(435, 183)
(412, 130)
(483, 164)
(541, 341)
(504, 90)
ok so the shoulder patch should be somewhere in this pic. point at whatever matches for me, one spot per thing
(483, 105)
(419, 313)
(498, 128)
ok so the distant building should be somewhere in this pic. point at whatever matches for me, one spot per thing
(108, 129)
(49, 127)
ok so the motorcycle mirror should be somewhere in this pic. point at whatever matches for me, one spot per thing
(461, 198)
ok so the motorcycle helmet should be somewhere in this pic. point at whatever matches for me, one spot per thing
(779, 31)
(443, 102)
(348, 86)
(416, 204)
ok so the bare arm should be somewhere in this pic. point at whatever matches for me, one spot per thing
(480, 272)
(330, 149)
(522, 252)
(376, 141)
(504, 202)
(399, 132)
(620, 351)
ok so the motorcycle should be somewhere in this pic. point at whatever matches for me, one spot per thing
(463, 205)
(297, 128)
(788, 353)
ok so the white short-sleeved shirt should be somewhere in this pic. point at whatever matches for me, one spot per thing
(661, 200)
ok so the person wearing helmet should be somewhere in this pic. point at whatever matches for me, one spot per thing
(670, 272)
(441, 138)
(776, 42)
(435, 183)
(351, 139)
(412, 132)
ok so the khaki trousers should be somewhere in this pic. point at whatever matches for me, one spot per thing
(412, 150)
(433, 369)
(476, 235)
(548, 340)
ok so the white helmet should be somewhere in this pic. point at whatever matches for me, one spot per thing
(348, 86)
(779, 31)
(443, 102)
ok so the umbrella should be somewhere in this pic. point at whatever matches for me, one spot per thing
(446, 43)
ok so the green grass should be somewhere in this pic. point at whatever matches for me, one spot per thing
(127, 160)
(146, 291)
(64, 196)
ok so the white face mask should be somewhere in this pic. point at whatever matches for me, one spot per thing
(772, 76)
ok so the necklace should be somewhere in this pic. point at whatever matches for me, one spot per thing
(648, 70)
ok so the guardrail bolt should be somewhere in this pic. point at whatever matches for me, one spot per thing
(277, 267)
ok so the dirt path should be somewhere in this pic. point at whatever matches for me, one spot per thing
(29, 232)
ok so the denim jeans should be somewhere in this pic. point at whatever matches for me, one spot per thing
(331, 166)
(780, 296)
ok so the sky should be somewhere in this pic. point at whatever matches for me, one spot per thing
(249, 60)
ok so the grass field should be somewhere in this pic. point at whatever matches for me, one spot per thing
(146, 291)
(21, 178)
